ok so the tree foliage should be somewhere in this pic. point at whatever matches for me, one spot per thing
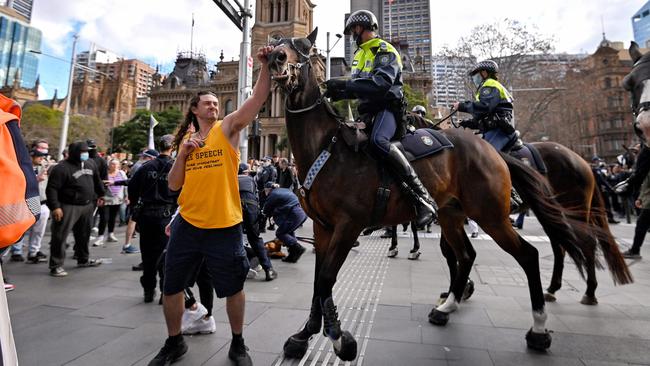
(512, 45)
(41, 122)
(132, 136)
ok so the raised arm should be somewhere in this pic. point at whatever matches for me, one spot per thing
(239, 119)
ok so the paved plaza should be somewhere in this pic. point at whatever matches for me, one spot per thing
(96, 316)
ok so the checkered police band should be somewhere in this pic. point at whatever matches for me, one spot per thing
(361, 17)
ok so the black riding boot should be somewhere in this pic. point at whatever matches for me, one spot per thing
(515, 200)
(425, 206)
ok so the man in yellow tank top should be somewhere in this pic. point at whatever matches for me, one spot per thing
(208, 225)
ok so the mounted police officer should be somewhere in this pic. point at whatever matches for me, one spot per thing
(491, 110)
(492, 106)
(377, 82)
(154, 205)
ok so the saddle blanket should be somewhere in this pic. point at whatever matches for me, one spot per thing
(529, 155)
(423, 142)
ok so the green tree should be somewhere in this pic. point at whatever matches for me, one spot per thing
(414, 98)
(133, 135)
(41, 122)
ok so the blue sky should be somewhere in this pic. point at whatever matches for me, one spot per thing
(154, 30)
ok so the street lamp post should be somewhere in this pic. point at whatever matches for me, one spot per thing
(66, 113)
(327, 51)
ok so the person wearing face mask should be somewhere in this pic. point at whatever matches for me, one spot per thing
(491, 108)
(491, 111)
(376, 81)
(71, 191)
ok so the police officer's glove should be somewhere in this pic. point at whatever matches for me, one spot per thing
(335, 89)
(469, 123)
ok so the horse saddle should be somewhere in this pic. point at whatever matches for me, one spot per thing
(422, 142)
(529, 155)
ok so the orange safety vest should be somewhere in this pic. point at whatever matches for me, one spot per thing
(19, 200)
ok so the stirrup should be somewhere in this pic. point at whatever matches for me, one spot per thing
(622, 187)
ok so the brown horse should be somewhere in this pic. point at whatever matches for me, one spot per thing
(469, 180)
(575, 187)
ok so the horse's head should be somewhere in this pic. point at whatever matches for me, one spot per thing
(637, 82)
(295, 65)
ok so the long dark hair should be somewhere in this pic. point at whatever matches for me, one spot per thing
(190, 118)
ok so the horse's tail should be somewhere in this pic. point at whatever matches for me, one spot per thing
(537, 194)
(615, 261)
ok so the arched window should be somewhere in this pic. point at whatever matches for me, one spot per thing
(279, 12)
(271, 12)
(229, 107)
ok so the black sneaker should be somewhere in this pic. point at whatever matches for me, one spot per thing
(58, 272)
(89, 263)
(148, 295)
(17, 258)
(271, 274)
(629, 254)
(169, 353)
(295, 252)
(33, 259)
(239, 355)
(40, 255)
(138, 267)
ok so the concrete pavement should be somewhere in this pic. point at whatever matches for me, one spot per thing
(96, 316)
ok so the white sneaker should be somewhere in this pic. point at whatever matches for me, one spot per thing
(112, 238)
(202, 326)
(99, 242)
(253, 271)
(94, 232)
(191, 316)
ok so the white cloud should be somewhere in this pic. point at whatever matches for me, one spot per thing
(42, 93)
(155, 30)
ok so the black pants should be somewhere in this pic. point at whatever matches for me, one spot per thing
(642, 226)
(641, 168)
(78, 219)
(250, 213)
(152, 243)
(108, 215)
(203, 281)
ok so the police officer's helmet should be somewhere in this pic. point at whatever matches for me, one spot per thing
(488, 65)
(361, 17)
(419, 110)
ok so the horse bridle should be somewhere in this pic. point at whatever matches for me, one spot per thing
(305, 61)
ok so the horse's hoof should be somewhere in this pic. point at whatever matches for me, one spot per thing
(589, 300)
(549, 297)
(438, 317)
(538, 341)
(295, 348)
(469, 290)
(392, 253)
(346, 347)
(414, 255)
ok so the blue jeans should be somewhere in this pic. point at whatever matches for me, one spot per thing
(383, 129)
(498, 138)
(287, 225)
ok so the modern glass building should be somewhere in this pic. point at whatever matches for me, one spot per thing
(404, 23)
(641, 25)
(22, 7)
(17, 39)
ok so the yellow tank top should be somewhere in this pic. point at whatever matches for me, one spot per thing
(209, 198)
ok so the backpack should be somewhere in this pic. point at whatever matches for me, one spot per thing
(20, 206)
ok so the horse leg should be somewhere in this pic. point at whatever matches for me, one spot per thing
(415, 252)
(345, 346)
(527, 256)
(405, 226)
(558, 268)
(392, 251)
(589, 298)
(465, 255)
(452, 265)
(296, 346)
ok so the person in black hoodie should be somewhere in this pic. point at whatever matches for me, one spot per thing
(72, 189)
